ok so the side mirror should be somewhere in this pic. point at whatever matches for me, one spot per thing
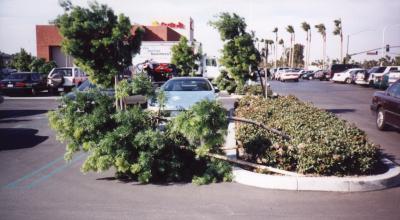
(216, 90)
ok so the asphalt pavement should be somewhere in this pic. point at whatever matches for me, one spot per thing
(36, 183)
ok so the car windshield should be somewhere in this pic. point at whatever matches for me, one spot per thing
(86, 86)
(63, 71)
(377, 70)
(187, 85)
(19, 76)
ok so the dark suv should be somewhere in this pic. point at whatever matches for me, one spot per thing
(387, 106)
(337, 68)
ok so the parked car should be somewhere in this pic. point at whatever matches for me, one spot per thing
(290, 74)
(386, 105)
(25, 82)
(362, 77)
(347, 76)
(4, 72)
(65, 78)
(337, 68)
(86, 86)
(278, 71)
(182, 93)
(309, 74)
(393, 76)
(321, 75)
(376, 78)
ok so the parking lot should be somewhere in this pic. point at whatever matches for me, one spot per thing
(36, 183)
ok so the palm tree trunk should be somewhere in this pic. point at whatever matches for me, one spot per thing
(341, 47)
(276, 48)
(309, 46)
(293, 51)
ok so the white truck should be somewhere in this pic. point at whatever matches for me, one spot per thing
(377, 76)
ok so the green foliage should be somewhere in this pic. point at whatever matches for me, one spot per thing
(22, 60)
(204, 124)
(239, 52)
(224, 82)
(100, 42)
(253, 90)
(320, 142)
(298, 55)
(128, 141)
(41, 66)
(139, 85)
(184, 58)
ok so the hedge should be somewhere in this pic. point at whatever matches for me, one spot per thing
(320, 143)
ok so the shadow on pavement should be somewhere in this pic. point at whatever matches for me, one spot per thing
(20, 113)
(19, 138)
(340, 111)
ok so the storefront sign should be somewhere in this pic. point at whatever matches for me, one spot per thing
(178, 25)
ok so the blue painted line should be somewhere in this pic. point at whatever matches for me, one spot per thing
(29, 175)
(55, 171)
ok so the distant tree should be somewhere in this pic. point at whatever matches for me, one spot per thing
(184, 57)
(100, 42)
(290, 30)
(282, 43)
(276, 45)
(307, 28)
(322, 30)
(239, 52)
(298, 55)
(22, 60)
(339, 31)
(41, 66)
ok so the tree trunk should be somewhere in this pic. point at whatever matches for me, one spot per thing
(276, 49)
(309, 50)
(294, 42)
(341, 47)
(115, 89)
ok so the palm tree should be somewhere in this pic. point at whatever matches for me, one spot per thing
(290, 29)
(276, 48)
(306, 27)
(281, 42)
(322, 30)
(338, 31)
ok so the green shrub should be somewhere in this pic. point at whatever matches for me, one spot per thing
(320, 142)
(224, 82)
(252, 90)
(129, 141)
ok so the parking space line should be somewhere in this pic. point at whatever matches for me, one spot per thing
(29, 175)
(55, 171)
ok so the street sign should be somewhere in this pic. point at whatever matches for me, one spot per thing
(372, 53)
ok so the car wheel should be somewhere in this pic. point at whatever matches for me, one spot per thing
(296, 80)
(348, 81)
(33, 92)
(381, 119)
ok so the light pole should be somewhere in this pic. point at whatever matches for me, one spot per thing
(348, 39)
(383, 37)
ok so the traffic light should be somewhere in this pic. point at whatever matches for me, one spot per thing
(387, 47)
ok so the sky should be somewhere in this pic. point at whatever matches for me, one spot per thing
(365, 21)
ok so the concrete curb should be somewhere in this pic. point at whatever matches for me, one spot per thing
(303, 183)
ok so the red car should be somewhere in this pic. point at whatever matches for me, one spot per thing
(386, 105)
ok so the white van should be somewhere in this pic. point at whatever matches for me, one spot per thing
(211, 67)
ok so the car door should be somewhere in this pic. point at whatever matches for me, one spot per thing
(392, 105)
